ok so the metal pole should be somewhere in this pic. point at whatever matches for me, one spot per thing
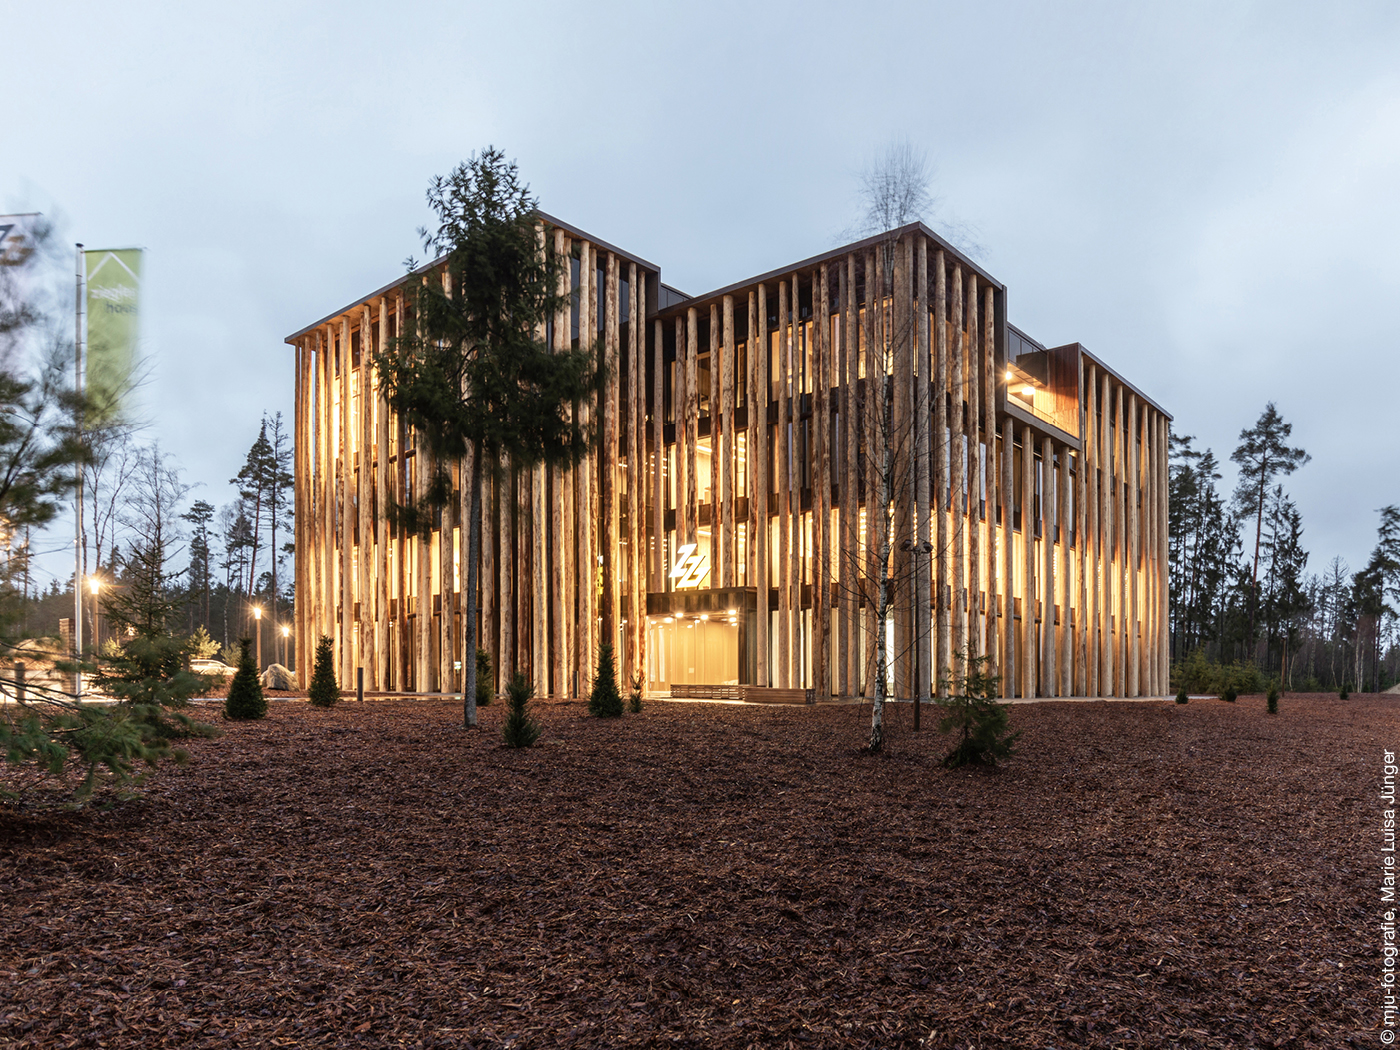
(78, 492)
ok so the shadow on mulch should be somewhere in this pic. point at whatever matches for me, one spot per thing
(716, 876)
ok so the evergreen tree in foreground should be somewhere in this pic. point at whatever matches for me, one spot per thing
(323, 691)
(606, 701)
(245, 701)
(973, 713)
(520, 730)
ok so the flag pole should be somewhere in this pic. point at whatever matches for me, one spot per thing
(78, 492)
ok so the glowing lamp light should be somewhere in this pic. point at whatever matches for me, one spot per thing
(94, 584)
(257, 612)
(1027, 391)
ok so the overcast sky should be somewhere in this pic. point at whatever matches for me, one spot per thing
(1204, 195)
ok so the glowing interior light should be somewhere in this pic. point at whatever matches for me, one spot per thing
(1027, 391)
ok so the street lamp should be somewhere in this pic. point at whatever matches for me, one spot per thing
(286, 634)
(95, 585)
(257, 615)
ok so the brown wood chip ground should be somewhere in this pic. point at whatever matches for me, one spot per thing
(1140, 875)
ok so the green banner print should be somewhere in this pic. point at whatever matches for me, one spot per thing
(114, 327)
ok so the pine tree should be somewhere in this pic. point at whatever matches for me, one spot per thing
(605, 701)
(473, 375)
(520, 730)
(972, 711)
(245, 701)
(323, 691)
(1262, 455)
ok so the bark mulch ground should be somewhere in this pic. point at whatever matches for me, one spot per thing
(698, 875)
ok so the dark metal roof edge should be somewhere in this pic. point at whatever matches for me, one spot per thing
(834, 253)
(550, 219)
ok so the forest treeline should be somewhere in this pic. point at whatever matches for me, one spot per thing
(218, 564)
(1242, 593)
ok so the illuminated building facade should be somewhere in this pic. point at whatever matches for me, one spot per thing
(718, 532)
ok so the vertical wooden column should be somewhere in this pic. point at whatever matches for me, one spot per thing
(1030, 592)
(561, 583)
(635, 666)
(995, 537)
(447, 586)
(1065, 578)
(901, 455)
(585, 493)
(328, 459)
(848, 567)
(1049, 590)
(381, 511)
(821, 495)
(1163, 635)
(1133, 548)
(941, 493)
(692, 426)
(363, 439)
(974, 471)
(525, 575)
(659, 467)
(756, 411)
(505, 511)
(1105, 540)
(1121, 482)
(958, 495)
(1083, 615)
(714, 547)
(758, 469)
(1009, 659)
(1091, 551)
(685, 529)
(725, 451)
(346, 596)
(608, 455)
(422, 578)
(784, 551)
(300, 508)
(874, 515)
(922, 390)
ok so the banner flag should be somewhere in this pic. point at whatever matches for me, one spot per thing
(114, 326)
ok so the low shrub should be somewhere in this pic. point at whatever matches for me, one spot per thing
(606, 701)
(971, 710)
(1273, 699)
(520, 730)
(245, 702)
(323, 691)
(1181, 697)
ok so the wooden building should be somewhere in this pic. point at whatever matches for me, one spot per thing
(719, 530)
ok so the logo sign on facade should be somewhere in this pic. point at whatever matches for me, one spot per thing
(691, 568)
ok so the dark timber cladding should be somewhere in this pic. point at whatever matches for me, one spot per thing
(751, 444)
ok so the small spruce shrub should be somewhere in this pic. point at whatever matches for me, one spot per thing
(323, 691)
(1229, 696)
(1345, 693)
(245, 701)
(606, 701)
(1273, 699)
(520, 730)
(483, 678)
(1181, 697)
(971, 711)
(634, 698)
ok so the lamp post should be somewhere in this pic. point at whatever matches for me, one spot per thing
(95, 585)
(286, 634)
(257, 615)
